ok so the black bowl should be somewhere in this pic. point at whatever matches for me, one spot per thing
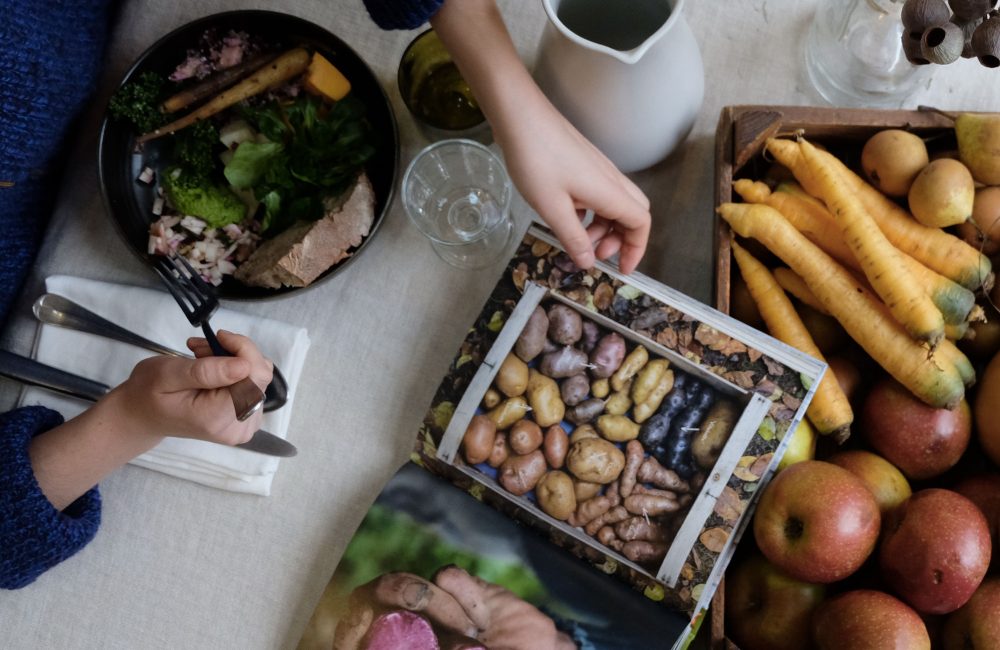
(129, 200)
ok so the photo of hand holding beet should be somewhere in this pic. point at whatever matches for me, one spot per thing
(598, 432)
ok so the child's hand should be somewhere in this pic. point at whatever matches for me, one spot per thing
(561, 174)
(188, 398)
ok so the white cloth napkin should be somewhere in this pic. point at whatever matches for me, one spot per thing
(155, 315)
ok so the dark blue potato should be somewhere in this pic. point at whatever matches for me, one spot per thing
(654, 430)
(677, 448)
(565, 324)
(564, 362)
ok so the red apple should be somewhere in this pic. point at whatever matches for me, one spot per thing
(817, 522)
(886, 483)
(976, 625)
(920, 440)
(984, 491)
(935, 550)
(768, 610)
(868, 620)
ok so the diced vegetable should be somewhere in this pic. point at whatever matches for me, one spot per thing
(322, 78)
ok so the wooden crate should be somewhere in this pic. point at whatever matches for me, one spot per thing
(739, 141)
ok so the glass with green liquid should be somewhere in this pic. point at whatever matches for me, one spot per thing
(436, 94)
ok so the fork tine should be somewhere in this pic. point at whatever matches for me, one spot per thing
(199, 282)
(182, 282)
(171, 282)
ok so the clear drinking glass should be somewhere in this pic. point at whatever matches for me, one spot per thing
(457, 193)
(854, 54)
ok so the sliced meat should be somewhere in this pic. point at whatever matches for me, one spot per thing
(302, 253)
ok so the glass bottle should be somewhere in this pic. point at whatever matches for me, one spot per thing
(854, 54)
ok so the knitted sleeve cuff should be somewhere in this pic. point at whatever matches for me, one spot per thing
(393, 14)
(34, 536)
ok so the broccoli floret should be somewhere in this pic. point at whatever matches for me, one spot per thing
(137, 102)
(200, 197)
(194, 148)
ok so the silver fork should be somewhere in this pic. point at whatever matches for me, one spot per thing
(197, 300)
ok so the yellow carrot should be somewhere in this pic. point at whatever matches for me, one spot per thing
(949, 353)
(808, 215)
(936, 249)
(811, 217)
(790, 281)
(956, 332)
(861, 314)
(830, 411)
(879, 259)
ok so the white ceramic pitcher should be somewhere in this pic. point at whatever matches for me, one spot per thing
(627, 73)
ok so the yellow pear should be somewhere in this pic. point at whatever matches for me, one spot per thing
(801, 447)
(978, 137)
(942, 194)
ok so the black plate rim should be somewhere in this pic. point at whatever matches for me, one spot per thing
(209, 20)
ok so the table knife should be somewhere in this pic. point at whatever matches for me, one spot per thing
(32, 372)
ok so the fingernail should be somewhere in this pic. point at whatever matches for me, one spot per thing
(585, 259)
(414, 595)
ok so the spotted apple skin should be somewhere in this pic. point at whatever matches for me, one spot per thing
(976, 624)
(865, 619)
(935, 550)
(922, 441)
(817, 522)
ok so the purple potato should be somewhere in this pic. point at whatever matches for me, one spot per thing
(565, 325)
(532, 339)
(607, 355)
(564, 362)
(574, 389)
(591, 333)
(585, 412)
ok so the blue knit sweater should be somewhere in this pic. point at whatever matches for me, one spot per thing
(49, 62)
(50, 58)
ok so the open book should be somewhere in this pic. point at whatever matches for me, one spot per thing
(582, 476)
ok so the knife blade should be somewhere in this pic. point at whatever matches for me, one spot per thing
(29, 371)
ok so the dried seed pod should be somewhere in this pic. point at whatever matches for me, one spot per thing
(986, 42)
(911, 48)
(970, 9)
(942, 44)
(968, 29)
(919, 15)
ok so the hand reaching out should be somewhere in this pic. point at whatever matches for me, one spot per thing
(561, 174)
(557, 170)
(464, 610)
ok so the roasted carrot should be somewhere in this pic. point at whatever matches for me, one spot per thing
(830, 411)
(215, 83)
(861, 314)
(879, 259)
(936, 249)
(790, 281)
(287, 66)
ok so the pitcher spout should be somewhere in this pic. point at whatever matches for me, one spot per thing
(624, 31)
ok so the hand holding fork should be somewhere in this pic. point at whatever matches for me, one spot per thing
(197, 300)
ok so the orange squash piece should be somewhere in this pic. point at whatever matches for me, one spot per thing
(322, 78)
